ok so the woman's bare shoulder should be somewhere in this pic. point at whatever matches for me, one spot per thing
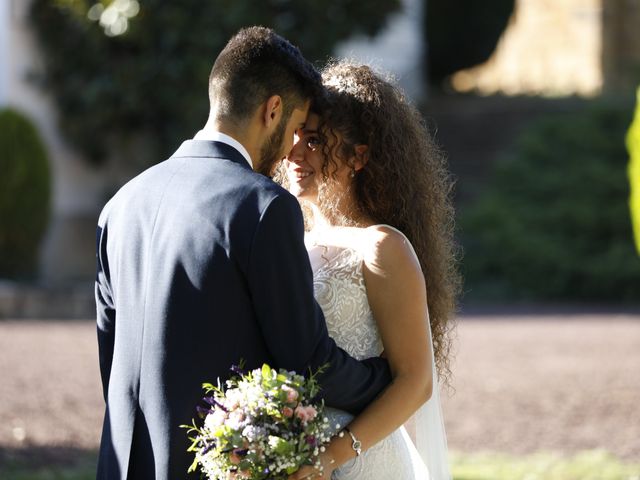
(388, 248)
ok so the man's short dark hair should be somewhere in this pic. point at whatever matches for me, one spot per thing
(256, 64)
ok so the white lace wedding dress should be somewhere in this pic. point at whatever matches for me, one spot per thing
(341, 292)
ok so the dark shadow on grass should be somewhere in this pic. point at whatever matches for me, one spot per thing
(35, 458)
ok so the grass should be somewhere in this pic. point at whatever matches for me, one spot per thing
(81, 468)
(588, 465)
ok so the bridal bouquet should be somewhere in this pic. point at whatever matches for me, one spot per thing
(264, 424)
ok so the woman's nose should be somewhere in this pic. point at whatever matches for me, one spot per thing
(297, 151)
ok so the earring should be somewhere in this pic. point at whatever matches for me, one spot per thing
(353, 173)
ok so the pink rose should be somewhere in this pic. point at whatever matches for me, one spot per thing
(312, 412)
(292, 394)
(305, 414)
(287, 412)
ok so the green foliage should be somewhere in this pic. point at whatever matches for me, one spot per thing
(25, 191)
(633, 146)
(587, 465)
(462, 33)
(553, 223)
(151, 81)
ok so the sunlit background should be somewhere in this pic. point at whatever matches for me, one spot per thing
(533, 101)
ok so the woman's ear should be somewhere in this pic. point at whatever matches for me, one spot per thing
(361, 157)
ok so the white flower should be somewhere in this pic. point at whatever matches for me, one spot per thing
(253, 433)
(213, 420)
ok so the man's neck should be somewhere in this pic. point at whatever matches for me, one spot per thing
(242, 135)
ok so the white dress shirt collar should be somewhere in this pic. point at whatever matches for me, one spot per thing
(215, 136)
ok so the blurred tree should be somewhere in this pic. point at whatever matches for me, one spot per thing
(633, 146)
(122, 70)
(553, 222)
(25, 195)
(462, 33)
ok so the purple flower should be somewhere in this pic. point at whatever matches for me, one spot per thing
(208, 447)
(311, 440)
(202, 412)
(237, 370)
(213, 402)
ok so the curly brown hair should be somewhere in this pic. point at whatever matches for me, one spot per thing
(405, 183)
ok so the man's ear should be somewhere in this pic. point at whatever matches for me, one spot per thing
(272, 111)
(361, 157)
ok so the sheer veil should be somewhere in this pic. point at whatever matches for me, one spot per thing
(431, 439)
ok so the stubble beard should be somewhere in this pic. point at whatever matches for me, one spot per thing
(271, 151)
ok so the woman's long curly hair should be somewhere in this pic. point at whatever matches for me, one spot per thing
(405, 182)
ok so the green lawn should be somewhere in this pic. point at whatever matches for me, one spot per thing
(84, 468)
(589, 465)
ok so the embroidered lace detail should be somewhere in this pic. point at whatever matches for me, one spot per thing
(341, 292)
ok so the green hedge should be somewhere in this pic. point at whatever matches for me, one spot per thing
(25, 192)
(633, 145)
(151, 81)
(553, 223)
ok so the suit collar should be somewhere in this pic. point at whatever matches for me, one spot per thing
(218, 136)
(209, 149)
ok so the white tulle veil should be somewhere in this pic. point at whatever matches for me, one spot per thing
(430, 438)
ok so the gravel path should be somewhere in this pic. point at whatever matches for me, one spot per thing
(522, 384)
(527, 384)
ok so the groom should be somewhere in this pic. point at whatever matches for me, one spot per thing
(201, 263)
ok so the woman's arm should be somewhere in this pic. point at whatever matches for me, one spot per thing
(397, 296)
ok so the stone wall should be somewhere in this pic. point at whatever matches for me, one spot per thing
(550, 48)
(621, 44)
(560, 48)
(19, 301)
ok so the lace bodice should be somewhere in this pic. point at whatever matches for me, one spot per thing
(340, 289)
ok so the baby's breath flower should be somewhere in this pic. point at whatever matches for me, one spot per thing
(250, 409)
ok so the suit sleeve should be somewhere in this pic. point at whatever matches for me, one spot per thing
(105, 311)
(281, 284)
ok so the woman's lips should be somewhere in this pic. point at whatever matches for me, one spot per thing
(301, 173)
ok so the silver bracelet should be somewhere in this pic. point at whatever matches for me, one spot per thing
(357, 444)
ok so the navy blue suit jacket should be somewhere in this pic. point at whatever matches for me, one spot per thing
(201, 263)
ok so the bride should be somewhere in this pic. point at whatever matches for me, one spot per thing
(380, 239)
